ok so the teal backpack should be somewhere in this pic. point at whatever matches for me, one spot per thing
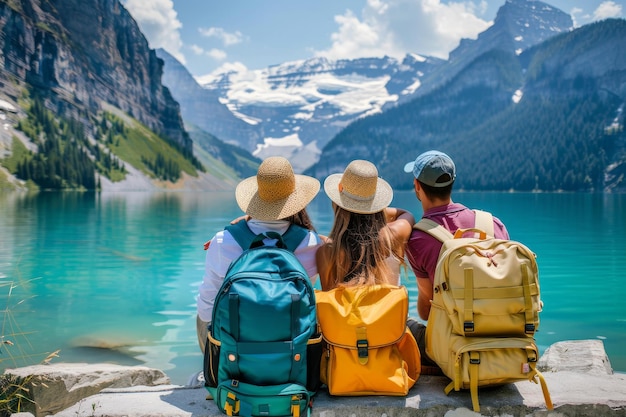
(263, 352)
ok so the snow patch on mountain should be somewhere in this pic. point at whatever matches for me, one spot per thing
(292, 148)
(310, 101)
(350, 94)
(290, 140)
(303, 102)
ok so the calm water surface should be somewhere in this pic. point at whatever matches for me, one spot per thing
(112, 277)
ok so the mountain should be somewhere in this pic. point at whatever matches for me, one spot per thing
(84, 104)
(204, 113)
(223, 160)
(519, 25)
(548, 119)
(202, 107)
(294, 109)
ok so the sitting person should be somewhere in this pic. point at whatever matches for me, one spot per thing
(359, 269)
(273, 200)
(367, 240)
(434, 173)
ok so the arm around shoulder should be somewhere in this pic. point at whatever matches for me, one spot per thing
(393, 214)
(400, 222)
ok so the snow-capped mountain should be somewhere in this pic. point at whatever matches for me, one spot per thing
(518, 26)
(294, 109)
(549, 119)
(297, 107)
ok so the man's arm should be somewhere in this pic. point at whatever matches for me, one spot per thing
(424, 297)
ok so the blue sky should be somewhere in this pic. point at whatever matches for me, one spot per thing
(208, 34)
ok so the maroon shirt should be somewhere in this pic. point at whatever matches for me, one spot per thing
(423, 249)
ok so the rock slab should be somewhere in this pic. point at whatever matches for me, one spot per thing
(55, 387)
(578, 374)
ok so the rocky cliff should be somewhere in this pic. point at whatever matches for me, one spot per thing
(85, 53)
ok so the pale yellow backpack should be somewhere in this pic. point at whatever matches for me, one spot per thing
(368, 347)
(485, 309)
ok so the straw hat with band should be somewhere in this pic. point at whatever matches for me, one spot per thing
(359, 189)
(275, 192)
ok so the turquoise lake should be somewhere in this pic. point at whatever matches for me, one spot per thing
(112, 277)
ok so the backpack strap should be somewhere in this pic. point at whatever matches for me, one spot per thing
(484, 222)
(434, 229)
(294, 236)
(246, 238)
(242, 234)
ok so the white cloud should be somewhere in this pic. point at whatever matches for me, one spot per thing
(217, 54)
(355, 39)
(397, 27)
(159, 23)
(574, 13)
(228, 38)
(607, 10)
(198, 50)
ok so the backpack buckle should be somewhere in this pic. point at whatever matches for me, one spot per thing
(231, 404)
(362, 347)
(529, 328)
(468, 326)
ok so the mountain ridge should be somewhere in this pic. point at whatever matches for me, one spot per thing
(538, 121)
(295, 108)
(148, 124)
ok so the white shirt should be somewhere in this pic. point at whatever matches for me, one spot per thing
(224, 249)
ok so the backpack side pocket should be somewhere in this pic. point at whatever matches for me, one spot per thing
(314, 349)
(211, 361)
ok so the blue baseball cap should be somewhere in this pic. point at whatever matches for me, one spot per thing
(430, 166)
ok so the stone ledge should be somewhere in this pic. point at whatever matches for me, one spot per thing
(578, 375)
(57, 386)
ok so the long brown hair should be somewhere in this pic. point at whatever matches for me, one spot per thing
(358, 249)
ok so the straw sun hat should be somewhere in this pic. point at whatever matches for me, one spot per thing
(359, 189)
(275, 192)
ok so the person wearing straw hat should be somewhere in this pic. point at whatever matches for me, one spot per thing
(366, 242)
(273, 200)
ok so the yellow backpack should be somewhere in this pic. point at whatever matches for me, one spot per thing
(368, 347)
(485, 309)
